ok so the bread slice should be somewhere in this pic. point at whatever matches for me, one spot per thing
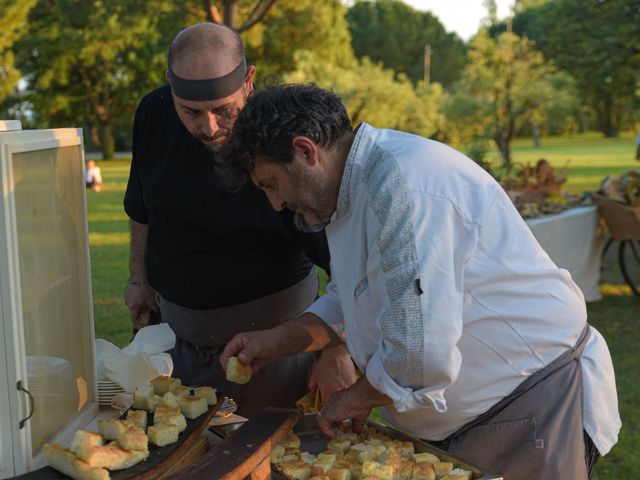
(111, 428)
(339, 474)
(193, 407)
(290, 440)
(442, 468)
(181, 391)
(371, 468)
(137, 417)
(176, 419)
(108, 456)
(163, 410)
(169, 400)
(208, 393)
(163, 384)
(65, 461)
(423, 471)
(85, 439)
(141, 395)
(163, 434)
(461, 472)
(425, 457)
(238, 372)
(296, 469)
(133, 438)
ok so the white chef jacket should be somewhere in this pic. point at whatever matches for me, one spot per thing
(444, 297)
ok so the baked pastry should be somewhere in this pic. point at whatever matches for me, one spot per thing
(176, 419)
(238, 372)
(372, 468)
(442, 468)
(163, 434)
(208, 393)
(133, 438)
(137, 417)
(169, 400)
(339, 474)
(111, 428)
(425, 457)
(181, 391)
(423, 471)
(296, 469)
(109, 456)
(290, 440)
(193, 407)
(65, 461)
(461, 472)
(163, 384)
(141, 395)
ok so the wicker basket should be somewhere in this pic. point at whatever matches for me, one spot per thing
(622, 220)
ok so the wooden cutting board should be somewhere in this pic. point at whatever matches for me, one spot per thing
(245, 453)
(162, 461)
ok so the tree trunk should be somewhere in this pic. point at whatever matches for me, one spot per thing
(535, 130)
(230, 13)
(108, 141)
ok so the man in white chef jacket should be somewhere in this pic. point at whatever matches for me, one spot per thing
(467, 334)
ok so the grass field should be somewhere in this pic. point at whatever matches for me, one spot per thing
(617, 316)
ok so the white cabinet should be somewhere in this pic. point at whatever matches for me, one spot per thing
(47, 367)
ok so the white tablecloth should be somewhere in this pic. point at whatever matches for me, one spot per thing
(570, 240)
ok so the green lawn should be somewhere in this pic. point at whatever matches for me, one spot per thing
(617, 316)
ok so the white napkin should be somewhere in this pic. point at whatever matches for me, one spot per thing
(140, 361)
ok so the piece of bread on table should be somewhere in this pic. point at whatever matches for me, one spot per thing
(163, 384)
(423, 471)
(193, 407)
(65, 461)
(163, 411)
(208, 393)
(137, 417)
(290, 440)
(370, 467)
(111, 428)
(296, 469)
(163, 434)
(339, 474)
(169, 400)
(425, 457)
(133, 458)
(141, 395)
(108, 456)
(238, 372)
(442, 468)
(176, 419)
(461, 472)
(133, 438)
(181, 391)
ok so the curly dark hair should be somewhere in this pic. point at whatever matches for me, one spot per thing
(271, 120)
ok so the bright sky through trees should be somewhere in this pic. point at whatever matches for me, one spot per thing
(461, 16)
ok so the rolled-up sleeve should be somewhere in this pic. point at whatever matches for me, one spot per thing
(328, 308)
(423, 245)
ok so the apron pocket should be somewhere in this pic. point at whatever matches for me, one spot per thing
(489, 444)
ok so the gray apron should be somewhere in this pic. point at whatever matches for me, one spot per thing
(536, 432)
(202, 334)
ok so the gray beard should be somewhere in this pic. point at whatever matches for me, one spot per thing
(301, 224)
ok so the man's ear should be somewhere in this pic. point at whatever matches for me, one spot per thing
(248, 79)
(306, 149)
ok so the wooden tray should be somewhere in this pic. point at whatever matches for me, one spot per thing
(161, 461)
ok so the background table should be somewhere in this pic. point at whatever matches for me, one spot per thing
(571, 240)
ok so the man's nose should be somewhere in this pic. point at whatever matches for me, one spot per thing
(276, 201)
(210, 126)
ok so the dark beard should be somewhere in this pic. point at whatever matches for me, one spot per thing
(301, 224)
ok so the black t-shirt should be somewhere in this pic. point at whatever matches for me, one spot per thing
(206, 247)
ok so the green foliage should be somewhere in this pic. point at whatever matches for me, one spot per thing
(295, 25)
(396, 34)
(13, 23)
(505, 83)
(91, 62)
(598, 42)
(374, 94)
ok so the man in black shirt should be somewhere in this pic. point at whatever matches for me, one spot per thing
(209, 260)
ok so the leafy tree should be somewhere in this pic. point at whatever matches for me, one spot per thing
(598, 42)
(502, 86)
(13, 22)
(374, 94)
(91, 62)
(396, 34)
(295, 25)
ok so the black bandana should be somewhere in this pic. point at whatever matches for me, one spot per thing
(210, 88)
